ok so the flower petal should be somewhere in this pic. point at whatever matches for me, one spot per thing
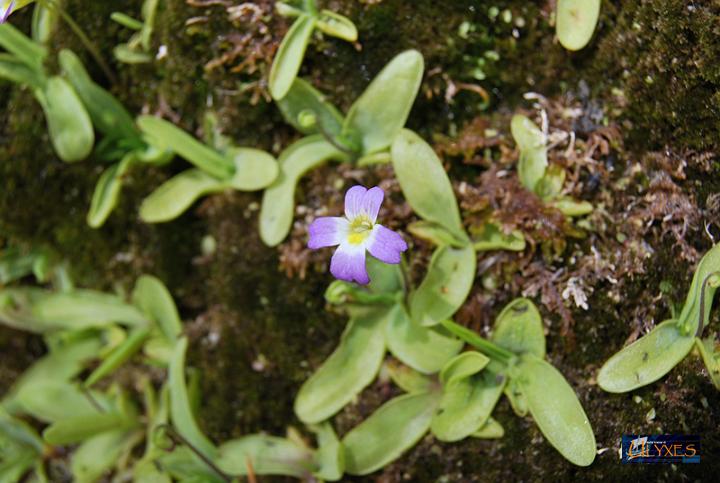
(348, 263)
(8, 10)
(353, 201)
(361, 201)
(327, 231)
(386, 245)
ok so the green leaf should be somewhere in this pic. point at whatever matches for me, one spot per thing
(379, 114)
(462, 366)
(268, 455)
(490, 430)
(435, 233)
(107, 113)
(14, 70)
(99, 454)
(351, 367)
(51, 401)
(533, 152)
(706, 347)
(516, 398)
(126, 21)
(391, 430)
(422, 348)
(519, 328)
(303, 98)
(172, 198)
(696, 311)
(337, 25)
(646, 360)
(492, 238)
(446, 285)
(127, 54)
(254, 169)
(278, 202)
(21, 46)
(128, 348)
(154, 299)
(149, 12)
(289, 57)
(550, 186)
(107, 191)
(165, 135)
(69, 125)
(75, 429)
(425, 183)
(330, 456)
(409, 380)
(44, 23)
(86, 308)
(570, 207)
(575, 22)
(557, 410)
(465, 406)
(187, 467)
(181, 413)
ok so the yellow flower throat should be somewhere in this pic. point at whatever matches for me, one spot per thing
(360, 229)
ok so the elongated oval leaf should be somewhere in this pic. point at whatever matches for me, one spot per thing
(466, 406)
(99, 454)
(177, 194)
(289, 57)
(388, 432)
(446, 285)
(266, 455)
(254, 169)
(181, 413)
(519, 328)
(696, 311)
(379, 114)
(491, 237)
(556, 410)
(51, 401)
(165, 135)
(330, 455)
(278, 202)
(21, 46)
(107, 191)
(303, 98)
(69, 125)
(646, 360)
(422, 348)
(128, 348)
(706, 347)
(86, 308)
(409, 380)
(490, 430)
(78, 428)
(533, 153)
(351, 367)
(151, 295)
(575, 22)
(425, 183)
(337, 25)
(107, 113)
(14, 70)
(463, 366)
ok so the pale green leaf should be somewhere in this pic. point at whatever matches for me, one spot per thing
(696, 311)
(268, 455)
(51, 401)
(181, 413)
(127, 54)
(533, 152)
(122, 353)
(490, 430)
(107, 191)
(86, 308)
(352, 366)
(425, 183)
(14, 70)
(379, 114)
(550, 185)
(276, 214)
(519, 328)
(98, 454)
(254, 169)
(706, 347)
(69, 125)
(571, 207)
(21, 46)
(446, 285)
(177, 194)
(408, 379)
(646, 360)
(75, 429)
(151, 295)
(434, 233)
(575, 22)
(391, 430)
(465, 406)
(557, 410)
(330, 455)
(337, 25)
(303, 99)
(289, 57)
(491, 237)
(44, 23)
(462, 366)
(423, 348)
(165, 135)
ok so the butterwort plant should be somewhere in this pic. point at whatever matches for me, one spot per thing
(356, 233)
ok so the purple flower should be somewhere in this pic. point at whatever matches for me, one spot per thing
(355, 233)
(5, 12)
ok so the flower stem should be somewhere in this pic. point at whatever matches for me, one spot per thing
(483, 345)
(53, 5)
